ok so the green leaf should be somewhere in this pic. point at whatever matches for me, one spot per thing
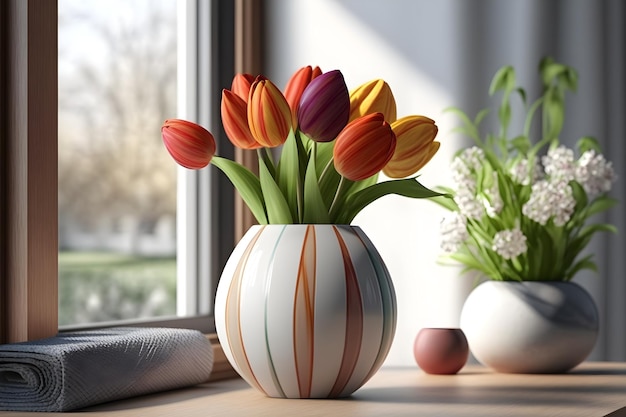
(579, 195)
(468, 128)
(329, 182)
(552, 71)
(599, 205)
(544, 63)
(289, 173)
(504, 79)
(470, 261)
(521, 143)
(362, 184)
(445, 202)
(315, 211)
(580, 242)
(246, 183)
(553, 113)
(588, 143)
(594, 228)
(324, 155)
(481, 116)
(408, 187)
(585, 263)
(522, 94)
(278, 211)
(570, 79)
(504, 113)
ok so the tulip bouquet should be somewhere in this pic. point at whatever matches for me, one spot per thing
(333, 146)
(520, 211)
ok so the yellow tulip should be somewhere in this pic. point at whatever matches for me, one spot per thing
(372, 97)
(269, 114)
(415, 145)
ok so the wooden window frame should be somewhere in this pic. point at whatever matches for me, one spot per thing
(28, 177)
(28, 163)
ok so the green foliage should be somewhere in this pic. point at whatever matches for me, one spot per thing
(306, 188)
(102, 286)
(553, 251)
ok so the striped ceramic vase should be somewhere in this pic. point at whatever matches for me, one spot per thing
(305, 311)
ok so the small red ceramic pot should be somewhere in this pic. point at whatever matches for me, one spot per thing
(441, 351)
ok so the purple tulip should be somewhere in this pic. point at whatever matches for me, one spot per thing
(324, 107)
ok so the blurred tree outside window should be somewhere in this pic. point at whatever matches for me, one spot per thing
(117, 185)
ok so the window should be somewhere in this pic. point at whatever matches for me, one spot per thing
(117, 188)
(128, 277)
(29, 168)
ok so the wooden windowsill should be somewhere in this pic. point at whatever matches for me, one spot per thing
(593, 389)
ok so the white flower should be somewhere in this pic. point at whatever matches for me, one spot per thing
(509, 243)
(464, 169)
(465, 165)
(594, 173)
(468, 204)
(453, 232)
(521, 175)
(492, 200)
(550, 199)
(559, 164)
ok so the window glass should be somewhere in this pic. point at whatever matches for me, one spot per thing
(117, 185)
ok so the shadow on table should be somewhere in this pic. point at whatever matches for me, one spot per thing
(166, 397)
(486, 394)
(598, 371)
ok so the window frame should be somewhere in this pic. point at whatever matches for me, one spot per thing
(28, 158)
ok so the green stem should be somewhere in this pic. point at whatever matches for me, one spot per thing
(341, 190)
(300, 190)
(529, 117)
(326, 169)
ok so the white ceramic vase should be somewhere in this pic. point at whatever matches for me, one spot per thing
(530, 327)
(305, 311)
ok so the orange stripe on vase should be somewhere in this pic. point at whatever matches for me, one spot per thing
(304, 314)
(233, 318)
(354, 321)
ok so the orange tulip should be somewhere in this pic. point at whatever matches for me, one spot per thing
(415, 147)
(364, 147)
(296, 85)
(241, 85)
(371, 97)
(235, 121)
(269, 115)
(191, 145)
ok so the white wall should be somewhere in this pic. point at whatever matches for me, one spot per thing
(417, 54)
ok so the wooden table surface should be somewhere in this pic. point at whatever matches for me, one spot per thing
(593, 389)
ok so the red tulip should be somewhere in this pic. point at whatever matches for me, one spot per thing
(364, 147)
(324, 107)
(241, 85)
(296, 85)
(269, 115)
(235, 121)
(415, 147)
(191, 145)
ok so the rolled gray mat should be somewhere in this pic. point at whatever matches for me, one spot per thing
(77, 369)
